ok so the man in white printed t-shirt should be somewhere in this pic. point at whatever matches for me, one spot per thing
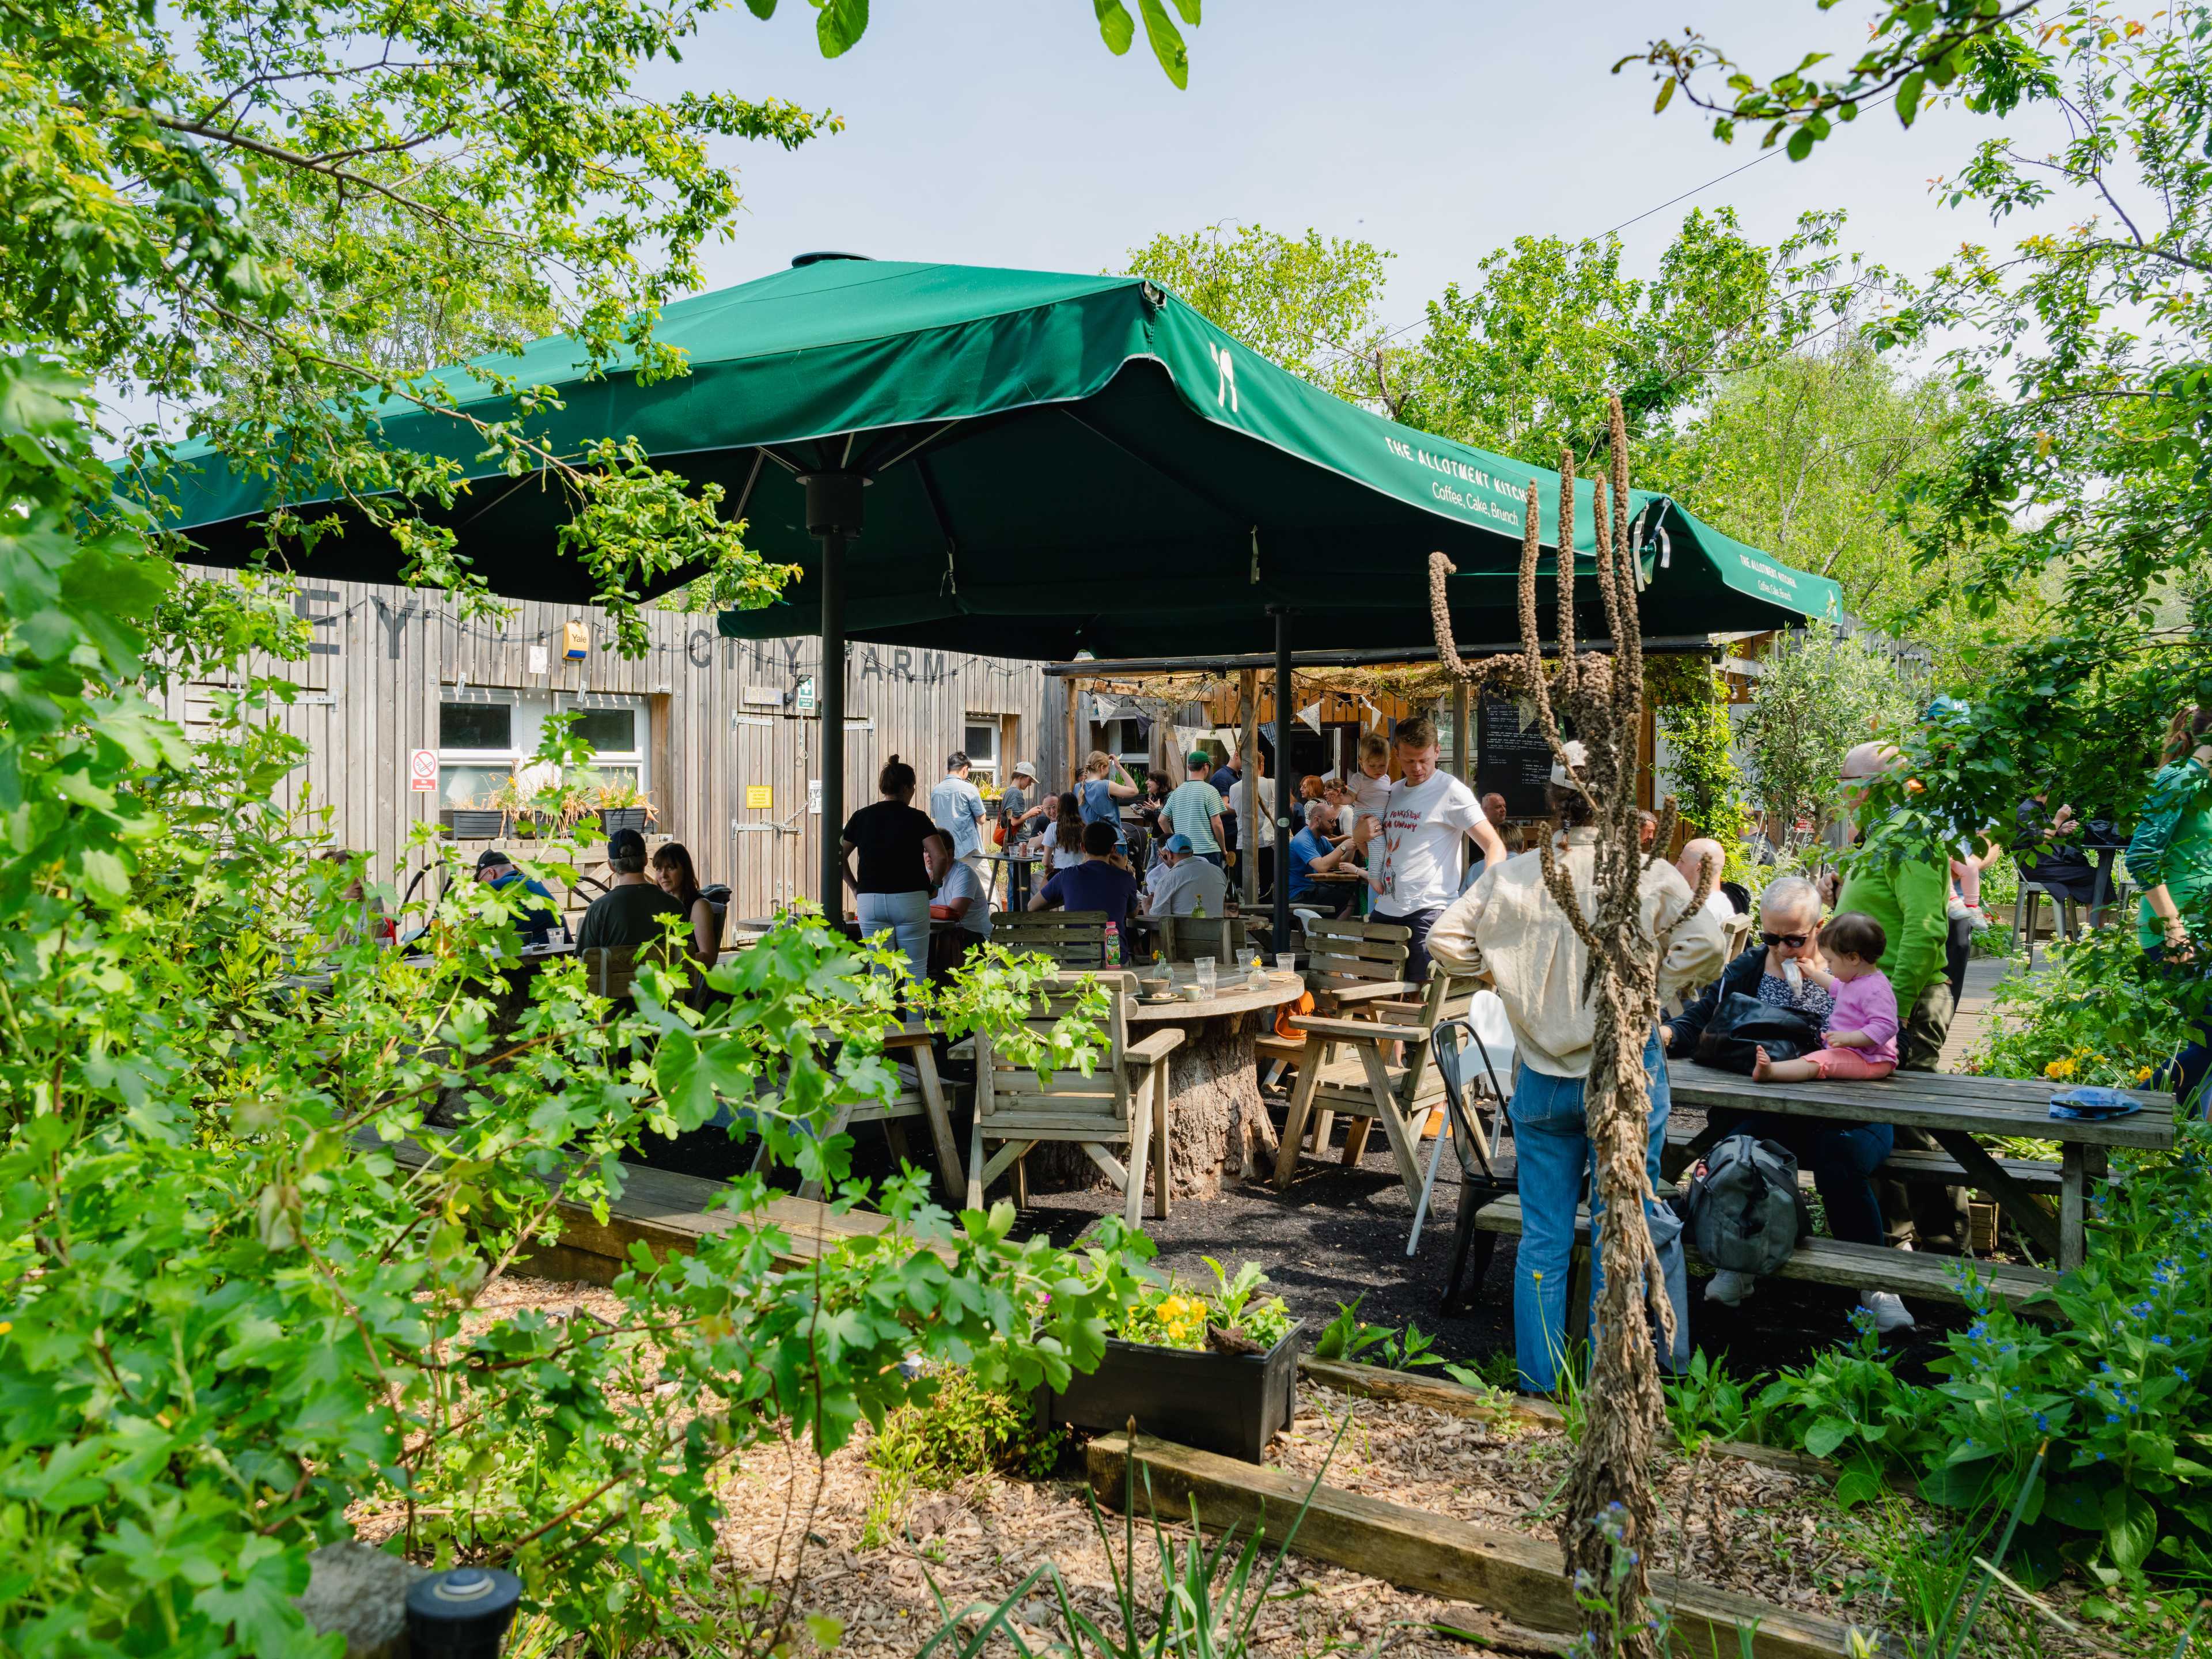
(1413, 860)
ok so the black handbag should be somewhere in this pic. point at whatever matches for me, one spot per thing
(1742, 1024)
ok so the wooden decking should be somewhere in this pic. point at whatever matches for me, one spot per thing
(670, 1214)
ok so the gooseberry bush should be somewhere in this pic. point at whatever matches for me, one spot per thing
(2095, 1012)
(230, 1313)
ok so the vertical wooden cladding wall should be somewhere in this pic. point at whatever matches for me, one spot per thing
(723, 718)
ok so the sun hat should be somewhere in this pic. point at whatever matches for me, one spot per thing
(1577, 757)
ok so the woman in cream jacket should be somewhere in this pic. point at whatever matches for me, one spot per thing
(1509, 927)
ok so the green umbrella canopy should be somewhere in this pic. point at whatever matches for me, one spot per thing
(1053, 464)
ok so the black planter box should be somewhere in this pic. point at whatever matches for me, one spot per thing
(1230, 1403)
(612, 818)
(473, 823)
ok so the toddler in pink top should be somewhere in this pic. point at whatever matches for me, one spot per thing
(1861, 1041)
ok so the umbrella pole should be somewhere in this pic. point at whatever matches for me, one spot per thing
(833, 518)
(1282, 794)
(833, 724)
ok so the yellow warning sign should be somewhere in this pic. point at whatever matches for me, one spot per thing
(759, 797)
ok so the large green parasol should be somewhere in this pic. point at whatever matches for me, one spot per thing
(1026, 463)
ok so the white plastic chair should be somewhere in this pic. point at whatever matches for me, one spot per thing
(1491, 1034)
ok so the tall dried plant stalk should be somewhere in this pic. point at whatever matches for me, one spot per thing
(1609, 1527)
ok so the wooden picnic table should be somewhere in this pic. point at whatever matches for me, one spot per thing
(912, 1044)
(1218, 1124)
(529, 957)
(1953, 1109)
(1345, 879)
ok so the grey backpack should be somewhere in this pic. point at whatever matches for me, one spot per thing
(1745, 1213)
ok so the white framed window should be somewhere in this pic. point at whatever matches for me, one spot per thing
(1129, 741)
(485, 732)
(982, 748)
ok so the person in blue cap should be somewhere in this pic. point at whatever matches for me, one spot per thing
(1187, 883)
(495, 869)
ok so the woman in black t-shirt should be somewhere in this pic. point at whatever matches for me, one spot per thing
(892, 888)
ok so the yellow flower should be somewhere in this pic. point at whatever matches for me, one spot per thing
(2059, 1068)
(2142, 1074)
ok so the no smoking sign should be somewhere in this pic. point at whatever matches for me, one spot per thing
(423, 771)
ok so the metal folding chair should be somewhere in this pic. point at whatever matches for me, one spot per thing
(1487, 1028)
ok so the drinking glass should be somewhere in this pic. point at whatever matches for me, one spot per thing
(1202, 971)
(1287, 961)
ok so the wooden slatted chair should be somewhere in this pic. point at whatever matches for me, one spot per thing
(1074, 939)
(1354, 1077)
(1352, 965)
(1186, 938)
(609, 970)
(1123, 1102)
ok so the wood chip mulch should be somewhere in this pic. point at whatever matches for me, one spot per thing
(793, 1519)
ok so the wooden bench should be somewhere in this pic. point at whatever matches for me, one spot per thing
(1683, 1149)
(1832, 1262)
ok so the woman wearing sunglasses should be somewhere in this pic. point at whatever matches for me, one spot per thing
(1771, 967)
(1843, 1156)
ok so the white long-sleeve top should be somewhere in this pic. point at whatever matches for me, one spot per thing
(1508, 925)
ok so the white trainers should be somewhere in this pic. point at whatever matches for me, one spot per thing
(1889, 1311)
(1729, 1289)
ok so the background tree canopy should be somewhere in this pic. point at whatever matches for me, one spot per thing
(2079, 361)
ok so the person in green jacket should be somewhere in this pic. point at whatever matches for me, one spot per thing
(1911, 900)
(2170, 856)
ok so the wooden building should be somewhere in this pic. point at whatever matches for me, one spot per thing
(408, 708)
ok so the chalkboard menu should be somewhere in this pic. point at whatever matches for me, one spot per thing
(1514, 763)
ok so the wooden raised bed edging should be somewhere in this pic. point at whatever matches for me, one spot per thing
(1509, 1573)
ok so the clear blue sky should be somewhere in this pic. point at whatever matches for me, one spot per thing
(1002, 132)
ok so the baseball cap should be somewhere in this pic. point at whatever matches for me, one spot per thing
(1176, 844)
(1023, 769)
(490, 856)
(1199, 758)
(626, 844)
(1577, 757)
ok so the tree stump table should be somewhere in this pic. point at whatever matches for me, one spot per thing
(1217, 1125)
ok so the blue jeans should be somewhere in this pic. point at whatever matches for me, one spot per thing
(1843, 1158)
(1552, 1155)
(905, 917)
